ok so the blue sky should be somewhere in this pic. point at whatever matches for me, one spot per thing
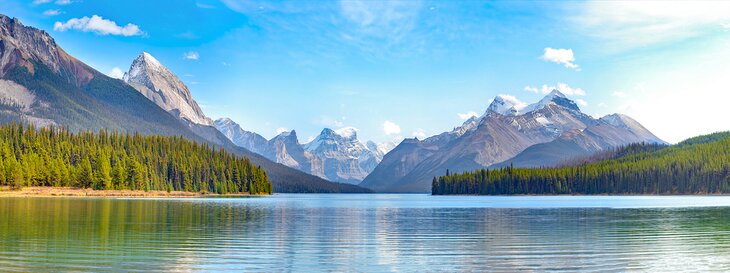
(412, 68)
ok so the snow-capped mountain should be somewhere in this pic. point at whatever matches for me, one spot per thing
(249, 140)
(507, 129)
(161, 86)
(336, 155)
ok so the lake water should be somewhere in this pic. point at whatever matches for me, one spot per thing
(372, 233)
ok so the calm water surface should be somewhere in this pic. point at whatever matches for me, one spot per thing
(374, 233)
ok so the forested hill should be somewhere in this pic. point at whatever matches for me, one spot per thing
(108, 160)
(700, 165)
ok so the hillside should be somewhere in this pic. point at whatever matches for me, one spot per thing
(55, 157)
(699, 165)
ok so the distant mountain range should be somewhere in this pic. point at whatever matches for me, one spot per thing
(336, 155)
(545, 133)
(41, 84)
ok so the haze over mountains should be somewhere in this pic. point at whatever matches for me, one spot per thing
(41, 84)
(541, 134)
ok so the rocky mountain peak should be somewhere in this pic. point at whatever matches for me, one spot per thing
(161, 86)
(22, 45)
(557, 98)
(506, 105)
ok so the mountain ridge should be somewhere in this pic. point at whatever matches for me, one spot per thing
(506, 129)
(336, 155)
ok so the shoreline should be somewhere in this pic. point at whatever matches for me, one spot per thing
(81, 193)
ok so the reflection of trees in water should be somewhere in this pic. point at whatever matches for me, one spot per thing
(107, 233)
(52, 234)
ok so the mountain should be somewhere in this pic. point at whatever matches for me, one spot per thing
(336, 155)
(549, 131)
(696, 166)
(249, 140)
(157, 83)
(44, 85)
(41, 84)
(608, 132)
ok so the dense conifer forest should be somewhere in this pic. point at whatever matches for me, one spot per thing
(109, 160)
(700, 165)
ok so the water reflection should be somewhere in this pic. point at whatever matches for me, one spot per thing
(377, 233)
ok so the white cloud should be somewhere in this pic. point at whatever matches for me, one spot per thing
(116, 73)
(468, 115)
(191, 55)
(38, 2)
(379, 25)
(390, 128)
(619, 94)
(280, 130)
(419, 133)
(726, 26)
(98, 25)
(532, 89)
(622, 25)
(560, 56)
(379, 13)
(581, 102)
(562, 87)
(52, 12)
(63, 2)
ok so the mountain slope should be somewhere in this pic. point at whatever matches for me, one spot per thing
(248, 140)
(696, 166)
(161, 86)
(610, 131)
(46, 86)
(507, 129)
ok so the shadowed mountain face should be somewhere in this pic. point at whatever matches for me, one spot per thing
(336, 155)
(547, 132)
(41, 84)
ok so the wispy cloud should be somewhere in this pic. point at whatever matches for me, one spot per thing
(468, 115)
(562, 87)
(623, 25)
(330, 122)
(560, 56)
(116, 73)
(38, 2)
(52, 12)
(98, 25)
(191, 55)
(619, 94)
(63, 2)
(204, 6)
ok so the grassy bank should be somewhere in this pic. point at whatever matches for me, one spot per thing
(79, 192)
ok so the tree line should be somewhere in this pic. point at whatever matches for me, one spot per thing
(699, 165)
(57, 157)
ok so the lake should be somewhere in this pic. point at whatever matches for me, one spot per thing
(367, 233)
